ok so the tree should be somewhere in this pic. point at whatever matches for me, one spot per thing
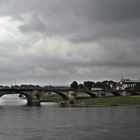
(112, 84)
(97, 84)
(74, 85)
(88, 84)
(106, 85)
(81, 86)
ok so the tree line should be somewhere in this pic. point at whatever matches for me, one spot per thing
(88, 85)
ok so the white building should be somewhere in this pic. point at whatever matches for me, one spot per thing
(127, 84)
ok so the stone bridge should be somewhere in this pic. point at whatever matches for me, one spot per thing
(33, 95)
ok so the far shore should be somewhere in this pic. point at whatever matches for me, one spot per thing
(95, 102)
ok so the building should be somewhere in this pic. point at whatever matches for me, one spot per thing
(98, 91)
(127, 84)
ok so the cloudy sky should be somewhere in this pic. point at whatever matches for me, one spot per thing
(58, 41)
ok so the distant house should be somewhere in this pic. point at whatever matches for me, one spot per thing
(98, 91)
(125, 84)
(130, 83)
(120, 86)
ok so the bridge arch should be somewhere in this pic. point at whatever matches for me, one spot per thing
(33, 99)
(64, 97)
(92, 95)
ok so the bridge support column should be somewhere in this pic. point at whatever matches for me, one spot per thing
(33, 102)
(33, 99)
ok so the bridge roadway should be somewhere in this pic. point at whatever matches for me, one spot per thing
(33, 94)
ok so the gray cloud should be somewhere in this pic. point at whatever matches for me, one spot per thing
(78, 21)
(62, 40)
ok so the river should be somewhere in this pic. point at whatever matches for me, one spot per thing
(52, 122)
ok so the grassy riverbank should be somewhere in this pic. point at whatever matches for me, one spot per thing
(51, 98)
(133, 100)
(129, 100)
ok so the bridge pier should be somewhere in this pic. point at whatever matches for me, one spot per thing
(33, 98)
(33, 102)
(65, 97)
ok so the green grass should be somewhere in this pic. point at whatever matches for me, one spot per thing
(51, 98)
(129, 100)
(110, 101)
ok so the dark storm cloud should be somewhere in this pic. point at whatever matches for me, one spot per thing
(78, 20)
(88, 20)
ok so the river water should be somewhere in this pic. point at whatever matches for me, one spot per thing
(52, 122)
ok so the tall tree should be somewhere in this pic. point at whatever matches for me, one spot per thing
(88, 84)
(81, 86)
(74, 85)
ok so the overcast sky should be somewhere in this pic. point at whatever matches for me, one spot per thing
(59, 41)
